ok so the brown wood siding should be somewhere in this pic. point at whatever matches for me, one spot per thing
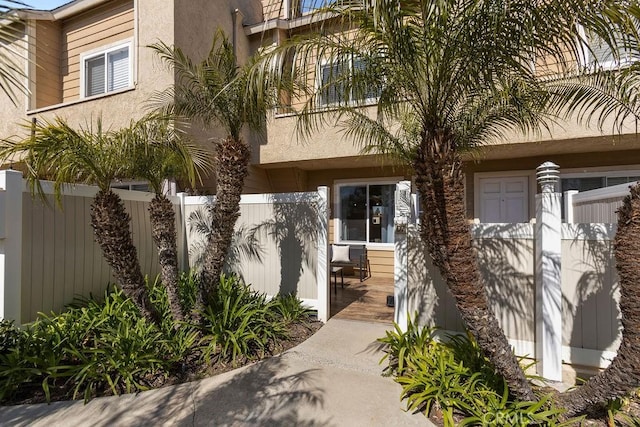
(257, 181)
(48, 49)
(381, 259)
(103, 26)
(381, 262)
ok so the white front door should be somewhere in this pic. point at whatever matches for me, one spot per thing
(504, 199)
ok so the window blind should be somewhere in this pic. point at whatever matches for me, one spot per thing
(118, 71)
(95, 75)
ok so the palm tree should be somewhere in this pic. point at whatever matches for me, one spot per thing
(160, 153)
(213, 93)
(244, 244)
(450, 76)
(65, 155)
(12, 73)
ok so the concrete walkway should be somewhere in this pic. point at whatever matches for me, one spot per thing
(332, 379)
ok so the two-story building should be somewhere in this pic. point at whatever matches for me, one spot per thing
(89, 59)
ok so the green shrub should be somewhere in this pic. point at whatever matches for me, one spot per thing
(290, 309)
(180, 338)
(455, 377)
(238, 323)
(9, 336)
(399, 344)
(102, 346)
(188, 288)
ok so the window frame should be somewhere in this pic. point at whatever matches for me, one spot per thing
(337, 208)
(586, 57)
(330, 62)
(104, 51)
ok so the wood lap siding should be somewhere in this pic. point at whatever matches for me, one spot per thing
(91, 31)
(48, 50)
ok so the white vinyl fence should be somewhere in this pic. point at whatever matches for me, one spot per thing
(48, 256)
(552, 286)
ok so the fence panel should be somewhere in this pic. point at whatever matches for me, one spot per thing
(275, 242)
(591, 316)
(507, 266)
(597, 206)
(61, 260)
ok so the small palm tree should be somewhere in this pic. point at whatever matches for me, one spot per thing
(213, 93)
(13, 52)
(450, 76)
(161, 152)
(65, 155)
(244, 244)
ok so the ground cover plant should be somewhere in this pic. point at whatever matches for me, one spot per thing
(452, 382)
(107, 347)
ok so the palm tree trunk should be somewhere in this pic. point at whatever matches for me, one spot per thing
(110, 224)
(447, 235)
(232, 168)
(163, 229)
(623, 374)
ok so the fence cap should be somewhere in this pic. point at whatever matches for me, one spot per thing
(548, 176)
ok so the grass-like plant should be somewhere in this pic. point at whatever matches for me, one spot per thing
(289, 309)
(455, 377)
(238, 323)
(108, 347)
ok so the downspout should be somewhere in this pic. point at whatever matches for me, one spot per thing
(234, 33)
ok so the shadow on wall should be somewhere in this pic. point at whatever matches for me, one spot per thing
(292, 224)
(294, 228)
(245, 247)
(590, 284)
(507, 268)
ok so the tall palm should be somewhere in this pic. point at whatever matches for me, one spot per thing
(213, 93)
(161, 152)
(57, 152)
(451, 76)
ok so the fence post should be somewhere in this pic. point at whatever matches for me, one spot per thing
(322, 272)
(11, 245)
(548, 233)
(400, 257)
(183, 249)
(568, 205)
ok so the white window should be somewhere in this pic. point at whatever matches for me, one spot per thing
(588, 182)
(585, 181)
(107, 71)
(365, 212)
(596, 53)
(132, 185)
(308, 6)
(332, 89)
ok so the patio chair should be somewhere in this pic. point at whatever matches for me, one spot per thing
(344, 255)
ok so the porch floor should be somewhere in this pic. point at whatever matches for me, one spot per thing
(362, 300)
